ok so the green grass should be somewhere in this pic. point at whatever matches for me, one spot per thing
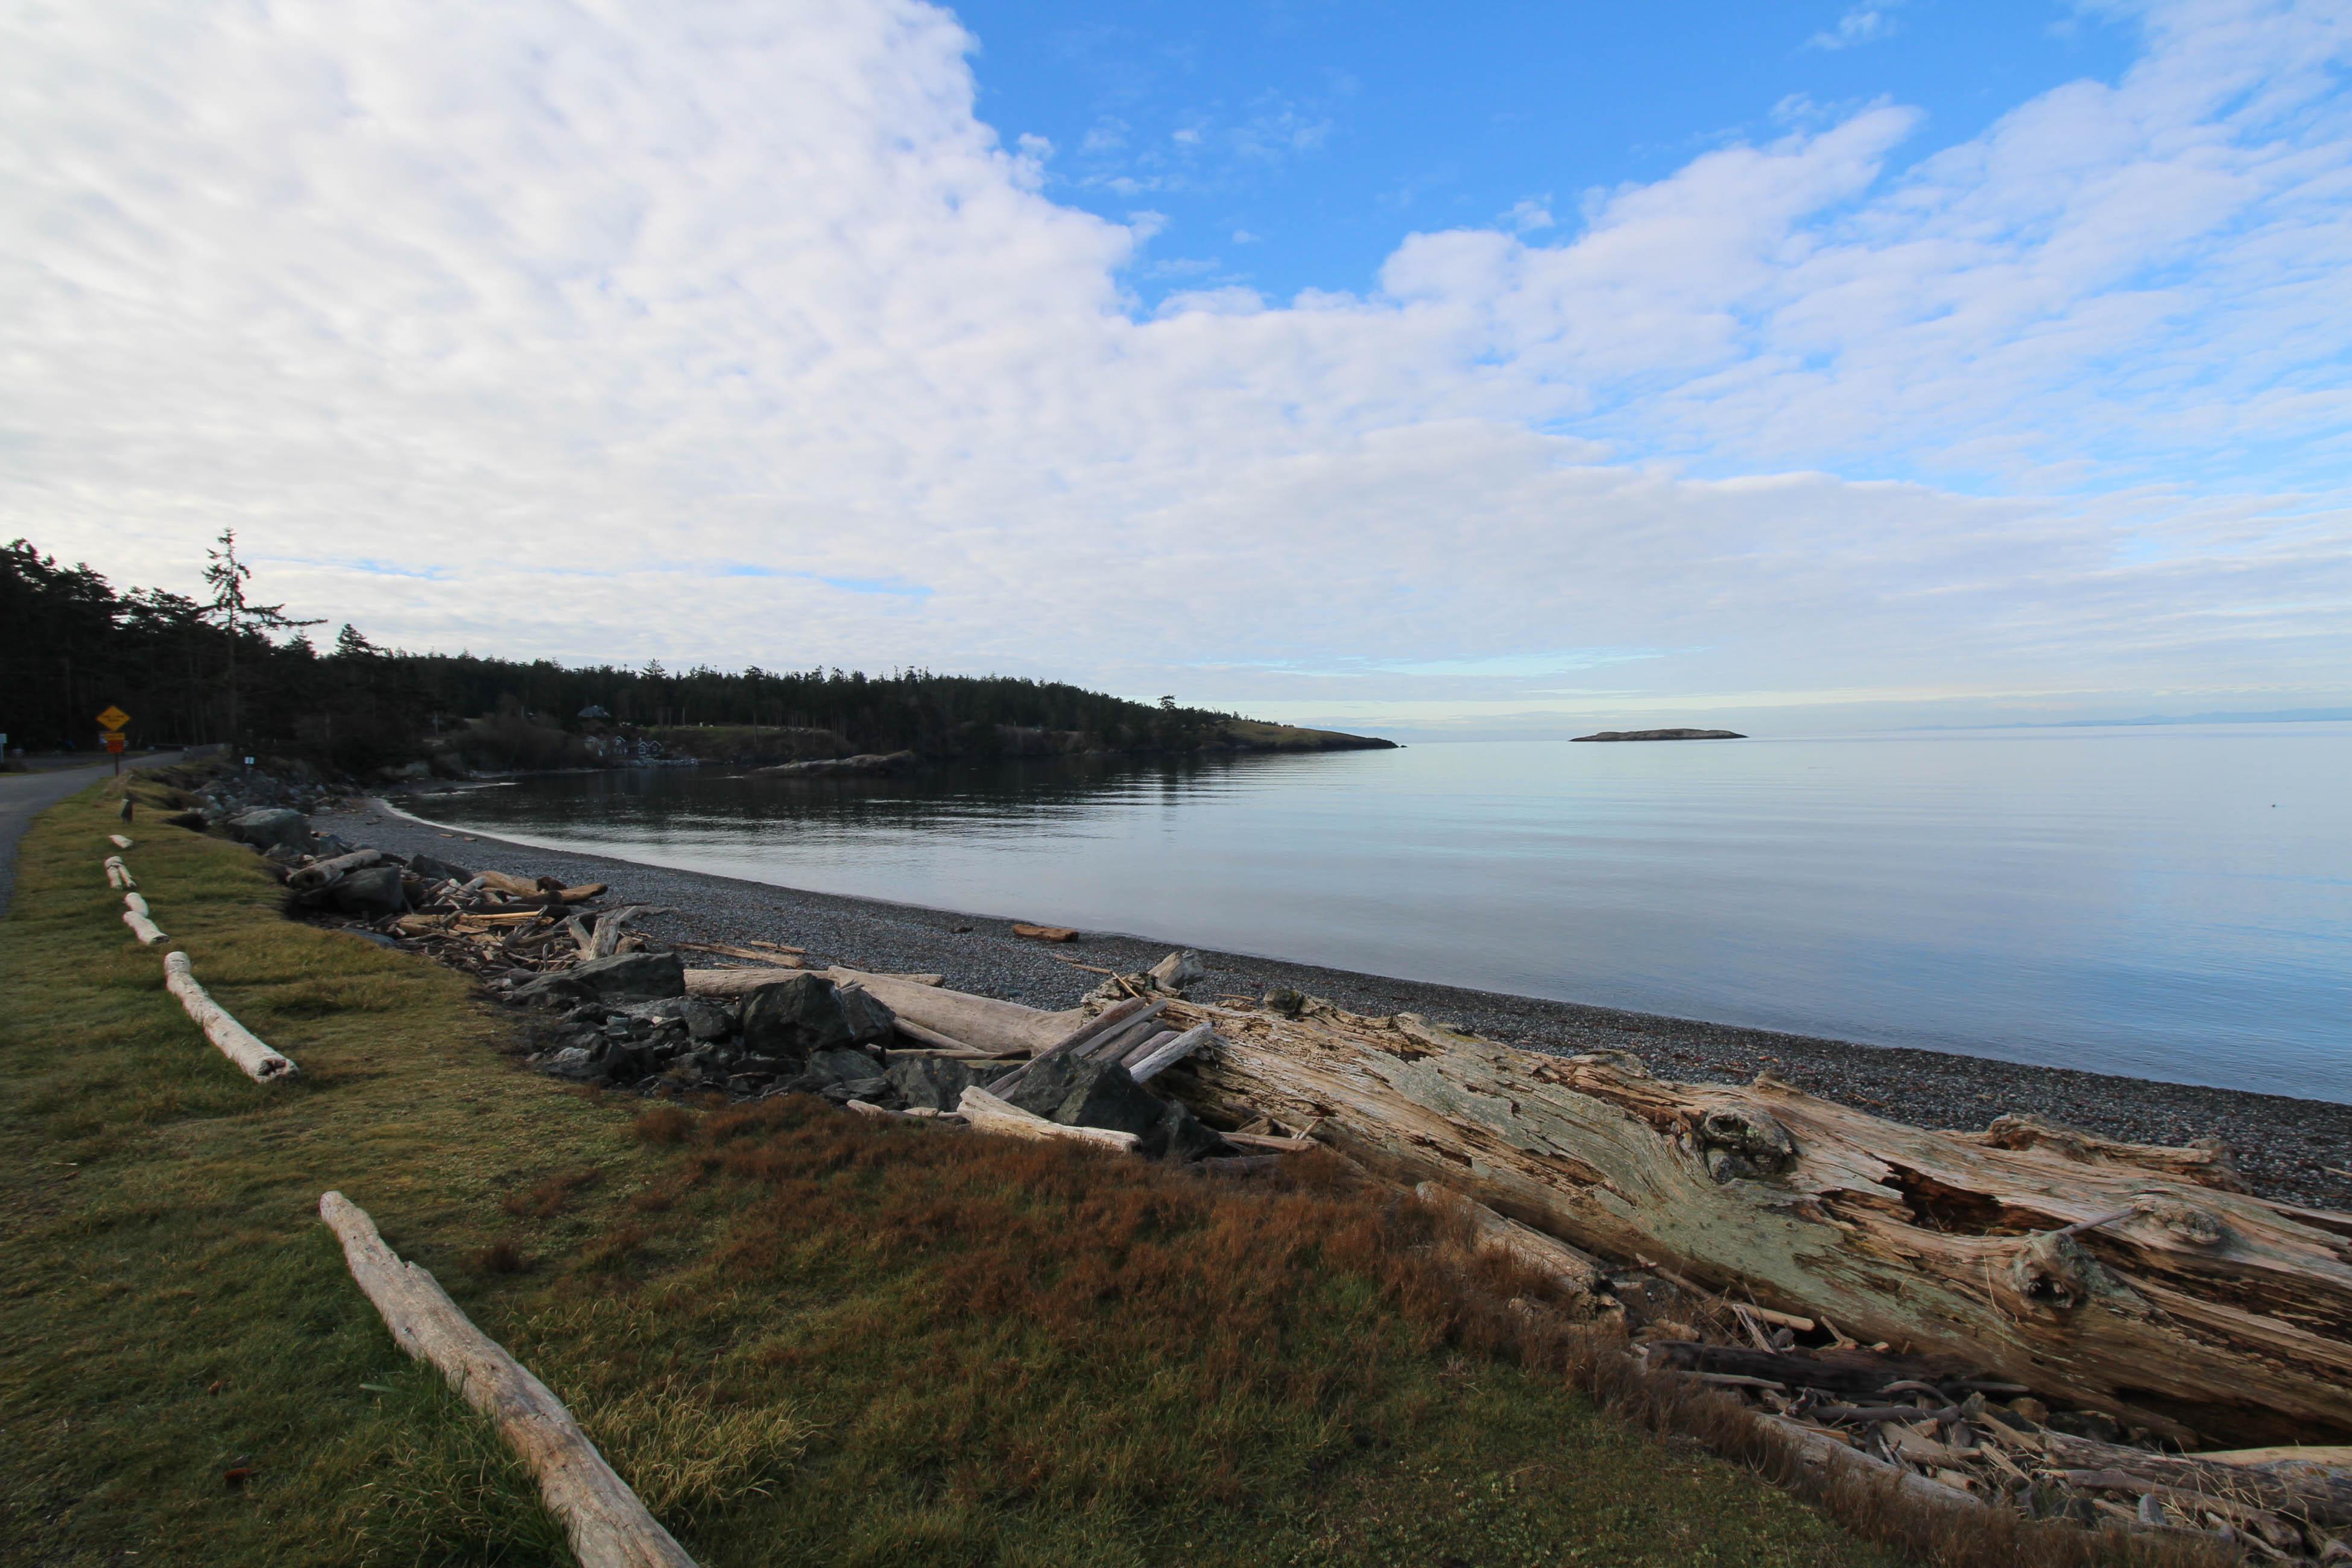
(802, 1336)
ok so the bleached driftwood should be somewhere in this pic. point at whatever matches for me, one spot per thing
(1174, 1051)
(982, 1022)
(319, 873)
(990, 1114)
(608, 1527)
(2126, 1280)
(118, 841)
(1113, 1044)
(136, 915)
(118, 875)
(234, 1041)
(1574, 1272)
(941, 1044)
(723, 983)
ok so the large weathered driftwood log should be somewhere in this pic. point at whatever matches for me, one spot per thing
(234, 1041)
(608, 1526)
(2134, 1280)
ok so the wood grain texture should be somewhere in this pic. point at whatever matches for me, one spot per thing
(2132, 1281)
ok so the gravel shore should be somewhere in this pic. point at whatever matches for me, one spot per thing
(2299, 1150)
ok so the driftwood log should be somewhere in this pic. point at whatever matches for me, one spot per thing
(2139, 1281)
(1572, 1272)
(319, 873)
(1166, 1055)
(142, 921)
(982, 1023)
(987, 1113)
(233, 1039)
(609, 1528)
(732, 981)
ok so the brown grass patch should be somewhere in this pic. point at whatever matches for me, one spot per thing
(545, 1198)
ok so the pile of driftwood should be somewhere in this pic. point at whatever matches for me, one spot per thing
(487, 923)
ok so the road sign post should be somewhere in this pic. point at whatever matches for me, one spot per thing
(111, 722)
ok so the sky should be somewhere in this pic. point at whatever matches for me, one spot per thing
(1803, 367)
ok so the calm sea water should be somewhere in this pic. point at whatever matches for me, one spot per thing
(2173, 902)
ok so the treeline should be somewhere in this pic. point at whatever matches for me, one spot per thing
(226, 669)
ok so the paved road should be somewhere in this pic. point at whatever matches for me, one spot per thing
(24, 796)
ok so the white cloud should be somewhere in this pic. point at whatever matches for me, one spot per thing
(729, 333)
(1863, 23)
(1530, 216)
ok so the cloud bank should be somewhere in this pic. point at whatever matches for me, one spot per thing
(728, 333)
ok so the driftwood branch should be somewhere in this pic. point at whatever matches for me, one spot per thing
(1174, 1051)
(141, 920)
(1574, 1272)
(609, 1528)
(234, 1041)
(990, 1114)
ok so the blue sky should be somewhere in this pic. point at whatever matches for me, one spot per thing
(1291, 146)
(1789, 365)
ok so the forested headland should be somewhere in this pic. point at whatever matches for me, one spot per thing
(230, 667)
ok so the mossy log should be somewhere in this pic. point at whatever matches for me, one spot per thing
(2141, 1281)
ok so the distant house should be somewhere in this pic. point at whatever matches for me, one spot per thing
(593, 712)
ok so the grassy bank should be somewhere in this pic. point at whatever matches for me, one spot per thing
(804, 1337)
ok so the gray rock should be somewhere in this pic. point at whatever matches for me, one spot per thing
(934, 1083)
(435, 869)
(660, 1010)
(1101, 1094)
(1179, 972)
(868, 1017)
(572, 1061)
(708, 1018)
(623, 977)
(272, 826)
(826, 1071)
(847, 1067)
(371, 894)
(807, 1014)
(1180, 1137)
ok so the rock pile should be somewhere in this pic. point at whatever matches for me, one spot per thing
(628, 1023)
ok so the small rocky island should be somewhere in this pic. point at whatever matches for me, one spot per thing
(1664, 735)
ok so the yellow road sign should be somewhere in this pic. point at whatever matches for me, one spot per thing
(113, 717)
